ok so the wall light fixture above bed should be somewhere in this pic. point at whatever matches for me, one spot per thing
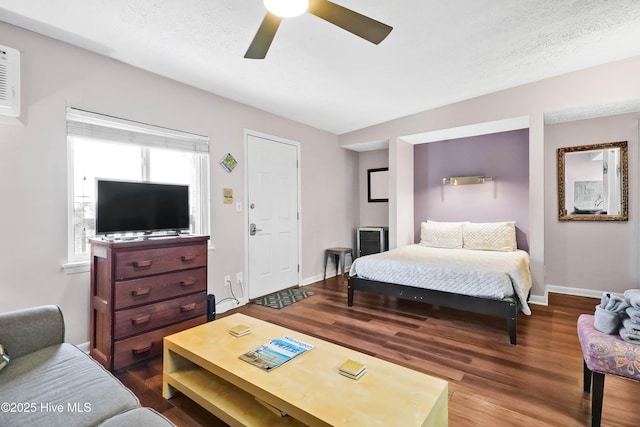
(464, 180)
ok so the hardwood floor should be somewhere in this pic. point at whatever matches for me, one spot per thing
(491, 383)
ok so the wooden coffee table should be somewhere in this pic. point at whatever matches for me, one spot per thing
(203, 363)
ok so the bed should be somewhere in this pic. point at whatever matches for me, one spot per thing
(468, 266)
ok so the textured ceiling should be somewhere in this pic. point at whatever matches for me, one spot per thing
(438, 53)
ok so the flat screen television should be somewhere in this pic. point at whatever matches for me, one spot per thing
(126, 206)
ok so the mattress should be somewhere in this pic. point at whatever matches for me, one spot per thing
(479, 273)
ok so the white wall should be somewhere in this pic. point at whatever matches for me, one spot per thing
(376, 213)
(598, 90)
(401, 196)
(33, 171)
(593, 255)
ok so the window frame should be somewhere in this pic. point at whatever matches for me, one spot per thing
(79, 126)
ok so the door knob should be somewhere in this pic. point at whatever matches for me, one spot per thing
(253, 229)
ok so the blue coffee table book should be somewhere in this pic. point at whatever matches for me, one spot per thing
(275, 353)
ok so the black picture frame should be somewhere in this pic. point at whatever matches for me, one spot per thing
(378, 185)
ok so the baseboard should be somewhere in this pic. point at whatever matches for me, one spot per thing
(314, 279)
(320, 277)
(84, 347)
(538, 300)
(566, 290)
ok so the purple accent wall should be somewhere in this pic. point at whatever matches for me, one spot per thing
(503, 156)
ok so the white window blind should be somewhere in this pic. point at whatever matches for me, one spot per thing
(99, 127)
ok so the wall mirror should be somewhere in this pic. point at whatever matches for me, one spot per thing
(593, 182)
(378, 185)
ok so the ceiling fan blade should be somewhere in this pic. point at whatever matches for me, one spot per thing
(354, 22)
(260, 45)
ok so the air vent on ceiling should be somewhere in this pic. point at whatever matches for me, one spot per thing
(9, 82)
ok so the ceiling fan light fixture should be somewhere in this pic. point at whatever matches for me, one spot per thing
(287, 8)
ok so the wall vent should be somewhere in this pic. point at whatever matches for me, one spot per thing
(9, 82)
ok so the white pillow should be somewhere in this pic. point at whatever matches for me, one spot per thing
(490, 236)
(441, 234)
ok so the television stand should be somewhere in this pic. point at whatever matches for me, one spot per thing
(143, 290)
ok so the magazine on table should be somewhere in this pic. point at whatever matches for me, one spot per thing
(275, 353)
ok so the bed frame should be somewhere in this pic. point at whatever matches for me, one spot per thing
(507, 308)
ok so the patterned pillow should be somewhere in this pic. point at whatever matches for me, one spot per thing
(441, 234)
(490, 236)
(4, 358)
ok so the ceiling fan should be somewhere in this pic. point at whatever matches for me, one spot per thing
(354, 22)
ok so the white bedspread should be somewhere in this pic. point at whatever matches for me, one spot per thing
(486, 274)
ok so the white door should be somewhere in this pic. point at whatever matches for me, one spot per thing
(272, 206)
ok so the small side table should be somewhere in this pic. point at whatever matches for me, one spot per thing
(338, 256)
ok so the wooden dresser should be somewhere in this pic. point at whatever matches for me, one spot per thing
(142, 291)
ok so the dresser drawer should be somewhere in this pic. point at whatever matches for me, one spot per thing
(147, 290)
(137, 320)
(131, 264)
(141, 347)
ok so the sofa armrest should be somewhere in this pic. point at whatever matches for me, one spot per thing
(25, 331)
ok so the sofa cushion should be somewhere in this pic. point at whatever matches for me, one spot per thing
(31, 329)
(138, 417)
(61, 385)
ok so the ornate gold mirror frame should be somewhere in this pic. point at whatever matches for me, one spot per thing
(599, 196)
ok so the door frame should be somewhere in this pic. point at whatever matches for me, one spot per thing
(277, 139)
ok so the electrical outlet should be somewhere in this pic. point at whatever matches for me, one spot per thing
(239, 278)
(227, 280)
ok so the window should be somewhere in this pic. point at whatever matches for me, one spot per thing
(108, 147)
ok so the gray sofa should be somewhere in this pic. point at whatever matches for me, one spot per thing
(49, 382)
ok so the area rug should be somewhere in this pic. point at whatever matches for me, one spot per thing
(282, 299)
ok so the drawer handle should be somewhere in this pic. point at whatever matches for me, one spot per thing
(143, 263)
(187, 307)
(139, 320)
(142, 350)
(185, 284)
(188, 258)
(140, 292)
